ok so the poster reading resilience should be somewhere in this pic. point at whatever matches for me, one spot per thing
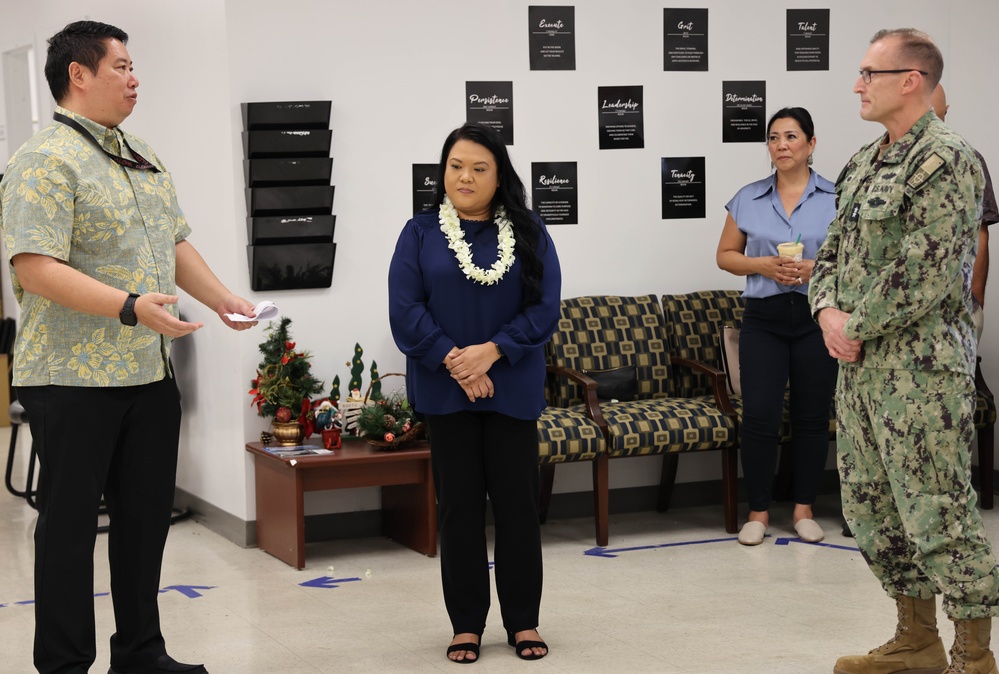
(744, 112)
(683, 187)
(552, 37)
(808, 39)
(621, 117)
(424, 186)
(685, 39)
(554, 193)
(491, 104)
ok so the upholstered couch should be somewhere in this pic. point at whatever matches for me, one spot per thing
(681, 401)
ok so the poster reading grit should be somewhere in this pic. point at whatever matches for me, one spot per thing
(685, 39)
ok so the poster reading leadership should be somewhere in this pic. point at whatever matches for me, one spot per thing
(685, 39)
(683, 187)
(552, 37)
(553, 192)
(424, 186)
(744, 111)
(621, 117)
(808, 39)
(491, 104)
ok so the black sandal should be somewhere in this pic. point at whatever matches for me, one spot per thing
(521, 645)
(469, 646)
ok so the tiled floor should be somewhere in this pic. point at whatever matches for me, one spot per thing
(674, 595)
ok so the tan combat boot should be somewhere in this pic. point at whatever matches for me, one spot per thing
(916, 647)
(971, 654)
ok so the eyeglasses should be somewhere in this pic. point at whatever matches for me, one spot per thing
(866, 74)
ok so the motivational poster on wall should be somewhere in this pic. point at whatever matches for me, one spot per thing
(744, 111)
(554, 193)
(491, 104)
(621, 117)
(683, 187)
(552, 37)
(424, 186)
(685, 39)
(808, 39)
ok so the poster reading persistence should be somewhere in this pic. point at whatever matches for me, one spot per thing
(552, 37)
(683, 187)
(685, 39)
(744, 111)
(491, 104)
(808, 39)
(553, 192)
(424, 186)
(621, 117)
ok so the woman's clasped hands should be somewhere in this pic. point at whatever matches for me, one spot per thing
(786, 270)
(469, 367)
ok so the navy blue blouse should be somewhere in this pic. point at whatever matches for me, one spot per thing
(433, 308)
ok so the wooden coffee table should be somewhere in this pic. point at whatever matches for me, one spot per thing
(409, 510)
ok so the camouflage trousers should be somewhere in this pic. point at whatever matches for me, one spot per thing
(904, 455)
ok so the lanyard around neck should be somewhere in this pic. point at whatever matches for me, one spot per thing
(142, 164)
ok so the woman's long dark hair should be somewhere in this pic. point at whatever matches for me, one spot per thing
(509, 193)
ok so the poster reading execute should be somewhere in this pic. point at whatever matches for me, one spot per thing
(552, 37)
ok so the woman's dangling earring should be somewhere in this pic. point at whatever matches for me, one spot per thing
(809, 160)
(772, 167)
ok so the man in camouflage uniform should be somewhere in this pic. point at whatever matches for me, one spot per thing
(891, 290)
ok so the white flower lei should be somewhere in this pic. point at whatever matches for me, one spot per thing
(462, 250)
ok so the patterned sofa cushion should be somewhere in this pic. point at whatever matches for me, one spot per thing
(665, 425)
(606, 332)
(693, 325)
(568, 435)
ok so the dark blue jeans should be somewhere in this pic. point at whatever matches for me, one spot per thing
(779, 343)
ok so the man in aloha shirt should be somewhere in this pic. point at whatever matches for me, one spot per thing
(97, 246)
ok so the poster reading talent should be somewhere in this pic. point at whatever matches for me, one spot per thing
(744, 111)
(621, 117)
(808, 39)
(683, 187)
(491, 104)
(554, 193)
(424, 186)
(552, 37)
(685, 39)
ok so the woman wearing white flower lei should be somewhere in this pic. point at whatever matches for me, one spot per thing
(482, 401)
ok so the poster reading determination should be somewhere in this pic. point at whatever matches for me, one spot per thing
(552, 37)
(491, 104)
(424, 186)
(621, 117)
(554, 193)
(808, 39)
(683, 187)
(744, 111)
(685, 39)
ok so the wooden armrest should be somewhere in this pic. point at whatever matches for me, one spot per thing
(719, 383)
(589, 394)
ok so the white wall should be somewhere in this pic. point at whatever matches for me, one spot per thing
(395, 71)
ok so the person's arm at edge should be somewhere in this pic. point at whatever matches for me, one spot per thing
(57, 282)
(195, 277)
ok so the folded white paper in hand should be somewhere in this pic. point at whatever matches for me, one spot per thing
(265, 311)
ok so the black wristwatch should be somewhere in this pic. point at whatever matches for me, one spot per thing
(127, 314)
(499, 351)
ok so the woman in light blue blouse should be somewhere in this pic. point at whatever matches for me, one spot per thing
(780, 343)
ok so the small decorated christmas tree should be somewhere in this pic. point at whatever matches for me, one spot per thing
(284, 383)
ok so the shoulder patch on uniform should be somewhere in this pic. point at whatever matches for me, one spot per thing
(926, 169)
